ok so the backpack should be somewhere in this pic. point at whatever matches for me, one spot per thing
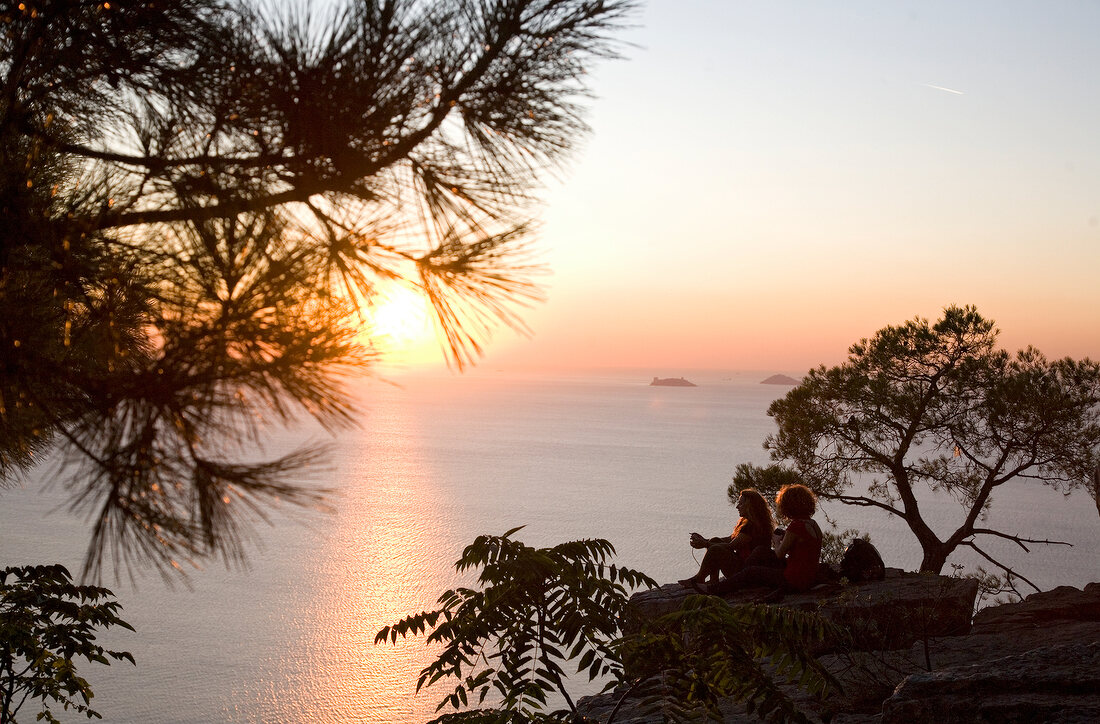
(862, 562)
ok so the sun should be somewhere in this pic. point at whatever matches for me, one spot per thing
(399, 325)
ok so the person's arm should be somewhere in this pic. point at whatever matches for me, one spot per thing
(807, 531)
(790, 538)
(743, 540)
(698, 541)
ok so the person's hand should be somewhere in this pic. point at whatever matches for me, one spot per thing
(698, 541)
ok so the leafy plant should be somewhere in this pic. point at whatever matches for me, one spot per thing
(507, 643)
(687, 662)
(537, 609)
(46, 621)
(768, 480)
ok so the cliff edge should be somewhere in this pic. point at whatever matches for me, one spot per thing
(1036, 660)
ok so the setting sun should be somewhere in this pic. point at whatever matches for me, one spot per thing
(400, 326)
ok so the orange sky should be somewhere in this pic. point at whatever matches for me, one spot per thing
(767, 183)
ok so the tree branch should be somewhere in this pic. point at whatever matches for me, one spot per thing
(227, 208)
(1017, 539)
(155, 163)
(1000, 565)
(863, 502)
(619, 702)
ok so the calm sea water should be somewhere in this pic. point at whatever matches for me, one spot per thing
(437, 462)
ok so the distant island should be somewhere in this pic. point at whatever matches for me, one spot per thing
(779, 380)
(671, 382)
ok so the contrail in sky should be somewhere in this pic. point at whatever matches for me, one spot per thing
(946, 90)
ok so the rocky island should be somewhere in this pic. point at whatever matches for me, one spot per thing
(779, 380)
(671, 382)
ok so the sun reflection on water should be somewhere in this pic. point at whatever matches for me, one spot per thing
(375, 568)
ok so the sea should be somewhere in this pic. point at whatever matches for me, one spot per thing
(436, 460)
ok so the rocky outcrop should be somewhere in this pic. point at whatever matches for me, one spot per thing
(1060, 616)
(1037, 660)
(1038, 610)
(1052, 684)
(671, 382)
(888, 614)
(779, 380)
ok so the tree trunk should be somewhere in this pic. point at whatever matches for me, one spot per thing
(935, 556)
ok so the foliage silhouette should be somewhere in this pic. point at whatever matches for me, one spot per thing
(939, 406)
(201, 204)
(687, 662)
(46, 622)
(537, 609)
(506, 643)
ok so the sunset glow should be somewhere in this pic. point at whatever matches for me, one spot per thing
(766, 184)
(400, 326)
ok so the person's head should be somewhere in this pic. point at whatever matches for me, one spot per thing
(796, 501)
(752, 506)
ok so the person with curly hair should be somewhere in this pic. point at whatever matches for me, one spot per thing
(751, 539)
(797, 554)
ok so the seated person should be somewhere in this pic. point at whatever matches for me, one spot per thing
(798, 553)
(751, 538)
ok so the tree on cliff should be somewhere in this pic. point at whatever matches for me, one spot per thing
(200, 203)
(939, 407)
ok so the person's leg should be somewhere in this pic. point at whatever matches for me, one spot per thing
(763, 556)
(711, 565)
(726, 560)
(750, 576)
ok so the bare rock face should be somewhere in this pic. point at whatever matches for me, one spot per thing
(1037, 660)
(889, 614)
(1061, 616)
(1045, 685)
(1064, 603)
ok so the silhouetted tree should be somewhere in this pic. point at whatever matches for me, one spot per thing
(47, 623)
(939, 406)
(200, 200)
(506, 642)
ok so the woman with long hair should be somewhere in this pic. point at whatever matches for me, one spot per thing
(728, 555)
(797, 555)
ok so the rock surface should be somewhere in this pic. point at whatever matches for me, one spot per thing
(1064, 603)
(887, 614)
(1047, 628)
(1037, 660)
(1049, 684)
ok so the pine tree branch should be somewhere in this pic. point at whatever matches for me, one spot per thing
(1019, 540)
(1000, 565)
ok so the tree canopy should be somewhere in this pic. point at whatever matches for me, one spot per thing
(938, 406)
(201, 201)
(46, 624)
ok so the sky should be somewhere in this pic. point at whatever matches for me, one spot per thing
(768, 182)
